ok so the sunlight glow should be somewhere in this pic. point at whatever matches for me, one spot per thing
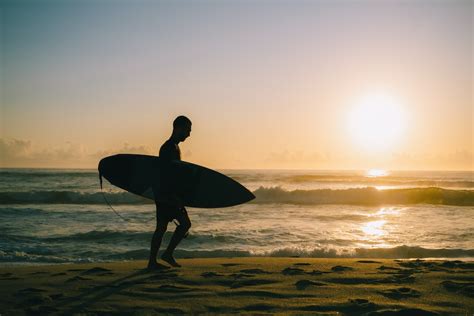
(376, 122)
(387, 211)
(374, 229)
(374, 173)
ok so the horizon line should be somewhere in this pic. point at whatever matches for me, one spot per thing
(259, 169)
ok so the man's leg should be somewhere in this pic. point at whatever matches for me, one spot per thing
(160, 230)
(178, 235)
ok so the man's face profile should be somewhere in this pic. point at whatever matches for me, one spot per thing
(184, 132)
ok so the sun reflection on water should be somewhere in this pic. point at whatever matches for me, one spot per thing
(387, 211)
(375, 228)
(375, 173)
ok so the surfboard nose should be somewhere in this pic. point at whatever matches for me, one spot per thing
(251, 196)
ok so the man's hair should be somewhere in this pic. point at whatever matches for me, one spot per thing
(181, 121)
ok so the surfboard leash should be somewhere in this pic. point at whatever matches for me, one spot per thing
(116, 213)
(105, 199)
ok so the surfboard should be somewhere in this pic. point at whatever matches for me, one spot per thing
(195, 185)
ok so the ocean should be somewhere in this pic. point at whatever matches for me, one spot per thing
(60, 216)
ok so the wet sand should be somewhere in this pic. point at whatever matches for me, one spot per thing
(242, 286)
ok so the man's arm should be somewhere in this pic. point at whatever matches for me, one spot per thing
(167, 154)
(170, 199)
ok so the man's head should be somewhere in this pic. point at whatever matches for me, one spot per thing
(181, 128)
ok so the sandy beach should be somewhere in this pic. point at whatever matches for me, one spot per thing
(242, 285)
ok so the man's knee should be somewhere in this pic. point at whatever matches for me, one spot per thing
(185, 225)
(161, 226)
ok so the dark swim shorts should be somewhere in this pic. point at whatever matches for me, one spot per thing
(168, 212)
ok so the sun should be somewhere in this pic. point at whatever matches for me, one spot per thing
(376, 122)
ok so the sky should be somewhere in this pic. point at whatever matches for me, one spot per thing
(267, 84)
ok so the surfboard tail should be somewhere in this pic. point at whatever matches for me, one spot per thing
(100, 172)
(100, 180)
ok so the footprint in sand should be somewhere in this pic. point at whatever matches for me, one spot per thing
(137, 310)
(234, 284)
(211, 275)
(254, 271)
(301, 264)
(241, 275)
(341, 269)
(457, 264)
(30, 290)
(398, 278)
(167, 311)
(361, 302)
(56, 296)
(161, 276)
(466, 288)
(356, 306)
(225, 310)
(383, 268)
(77, 278)
(168, 288)
(41, 310)
(38, 273)
(437, 266)
(32, 296)
(11, 278)
(315, 272)
(418, 264)
(259, 307)
(97, 271)
(399, 293)
(258, 293)
(403, 311)
(298, 271)
(368, 261)
(395, 279)
(303, 284)
(292, 271)
(356, 280)
(230, 264)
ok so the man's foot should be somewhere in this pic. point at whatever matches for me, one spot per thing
(156, 266)
(168, 258)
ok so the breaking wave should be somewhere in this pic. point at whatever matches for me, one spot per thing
(70, 197)
(400, 252)
(366, 196)
(405, 181)
(42, 173)
(354, 196)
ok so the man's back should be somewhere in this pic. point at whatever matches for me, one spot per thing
(170, 150)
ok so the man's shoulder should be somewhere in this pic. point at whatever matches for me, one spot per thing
(168, 149)
(168, 143)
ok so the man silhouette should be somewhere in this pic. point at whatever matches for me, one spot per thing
(168, 206)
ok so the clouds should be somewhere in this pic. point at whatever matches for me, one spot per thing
(18, 153)
(291, 159)
(21, 153)
(460, 159)
(126, 148)
(13, 148)
(305, 159)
